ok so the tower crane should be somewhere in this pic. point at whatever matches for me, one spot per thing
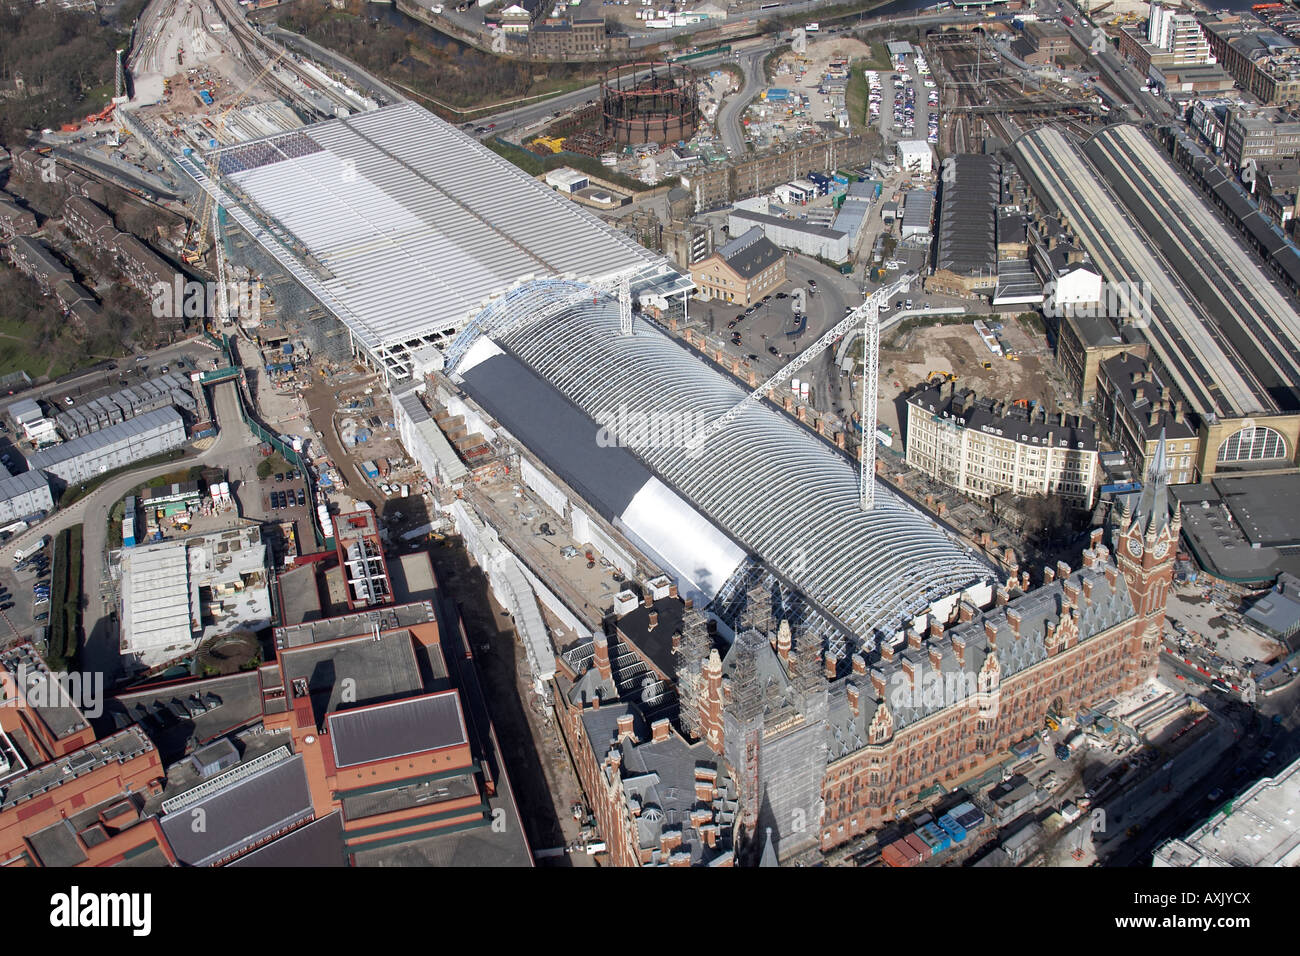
(197, 233)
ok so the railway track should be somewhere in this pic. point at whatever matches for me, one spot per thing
(248, 38)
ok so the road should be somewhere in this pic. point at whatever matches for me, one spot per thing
(109, 375)
(729, 126)
(1119, 74)
(100, 652)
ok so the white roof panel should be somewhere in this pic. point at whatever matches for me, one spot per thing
(417, 224)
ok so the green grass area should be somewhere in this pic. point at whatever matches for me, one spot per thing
(856, 93)
(65, 599)
(535, 165)
(272, 464)
(855, 97)
(21, 351)
(1032, 322)
(74, 493)
(879, 59)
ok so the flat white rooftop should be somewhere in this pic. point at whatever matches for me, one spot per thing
(406, 226)
(1259, 828)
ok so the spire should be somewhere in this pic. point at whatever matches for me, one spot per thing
(1153, 507)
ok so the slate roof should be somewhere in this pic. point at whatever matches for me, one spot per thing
(1105, 609)
(750, 253)
(967, 223)
(397, 729)
(241, 815)
(983, 414)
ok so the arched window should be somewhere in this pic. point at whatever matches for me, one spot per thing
(1252, 444)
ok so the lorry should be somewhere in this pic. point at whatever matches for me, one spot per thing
(22, 554)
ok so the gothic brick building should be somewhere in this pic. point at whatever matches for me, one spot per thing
(822, 752)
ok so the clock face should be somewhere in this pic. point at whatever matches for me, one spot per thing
(1135, 547)
(1161, 548)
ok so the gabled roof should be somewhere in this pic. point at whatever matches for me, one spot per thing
(750, 253)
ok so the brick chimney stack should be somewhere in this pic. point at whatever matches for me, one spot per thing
(1087, 590)
(654, 621)
(659, 730)
(783, 644)
(832, 665)
(914, 640)
(965, 611)
(859, 665)
(1049, 575)
(601, 644)
(855, 699)
(878, 684)
(646, 599)
(991, 633)
(936, 628)
(625, 727)
(959, 648)
(886, 651)
(1062, 570)
(672, 591)
(1013, 618)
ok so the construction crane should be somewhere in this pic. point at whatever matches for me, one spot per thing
(869, 314)
(197, 234)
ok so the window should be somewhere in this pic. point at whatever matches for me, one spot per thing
(1252, 444)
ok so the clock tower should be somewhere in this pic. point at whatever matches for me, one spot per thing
(1145, 539)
